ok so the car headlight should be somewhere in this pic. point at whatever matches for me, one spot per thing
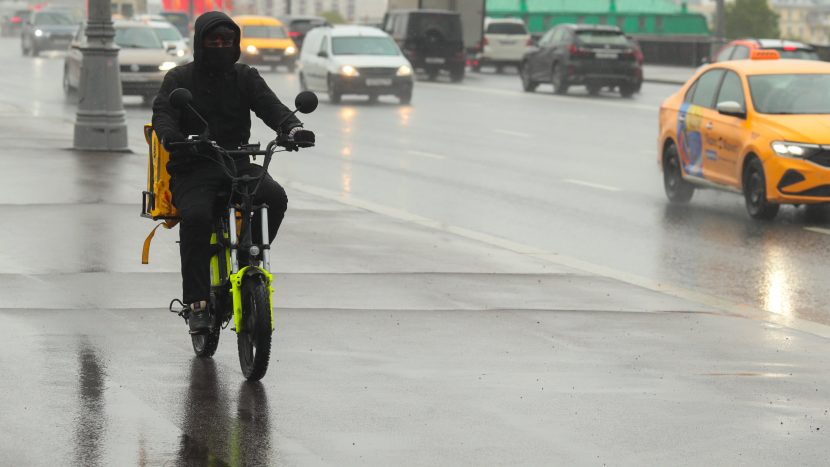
(348, 70)
(800, 150)
(38, 33)
(167, 66)
(180, 53)
(251, 49)
(290, 50)
(404, 71)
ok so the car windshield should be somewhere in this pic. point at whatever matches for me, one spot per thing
(304, 25)
(441, 26)
(506, 28)
(168, 34)
(264, 32)
(803, 54)
(602, 37)
(791, 94)
(53, 19)
(137, 38)
(176, 19)
(363, 46)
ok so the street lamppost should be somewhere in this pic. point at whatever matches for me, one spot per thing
(100, 123)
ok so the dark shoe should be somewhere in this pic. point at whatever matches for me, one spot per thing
(199, 320)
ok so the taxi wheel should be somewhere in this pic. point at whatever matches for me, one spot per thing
(333, 92)
(677, 189)
(755, 192)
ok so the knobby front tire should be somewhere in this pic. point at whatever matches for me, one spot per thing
(254, 341)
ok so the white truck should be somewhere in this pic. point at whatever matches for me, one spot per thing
(472, 16)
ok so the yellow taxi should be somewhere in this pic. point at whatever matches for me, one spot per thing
(760, 127)
(265, 41)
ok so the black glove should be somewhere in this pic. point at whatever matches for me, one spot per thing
(302, 138)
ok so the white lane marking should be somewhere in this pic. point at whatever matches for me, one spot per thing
(725, 305)
(427, 154)
(818, 230)
(589, 184)
(575, 100)
(513, 133)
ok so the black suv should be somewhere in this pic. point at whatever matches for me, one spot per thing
(580, 54)
(432, 40)
(298, 26)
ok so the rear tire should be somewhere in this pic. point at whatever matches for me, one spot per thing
(457, 76)
(593, 89)
(677, 190)
(627, 90)
(205, 345)
(755, 192)
(406, 97)
(254, 342)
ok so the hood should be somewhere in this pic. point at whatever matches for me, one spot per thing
(58, 28)
(812, 129)
(373, 61)
(207, 21)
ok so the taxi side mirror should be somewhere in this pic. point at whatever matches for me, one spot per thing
(731, 108)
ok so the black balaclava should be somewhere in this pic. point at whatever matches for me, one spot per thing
(218, 59)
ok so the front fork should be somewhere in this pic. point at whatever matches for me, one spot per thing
(238, 275)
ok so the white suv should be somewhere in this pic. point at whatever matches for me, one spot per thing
(505, 42)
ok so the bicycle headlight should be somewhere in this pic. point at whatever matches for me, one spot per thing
(799, 150)
(251, 49)
(348, 70)
(290, 50)
(167, 66)
(254, 250)
(404, 71)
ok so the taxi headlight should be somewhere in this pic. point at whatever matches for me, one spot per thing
(404, 71)
(166, 66)
(290, 50)
(251, 49)
(799, 150)
(38, 33)
(348, 70)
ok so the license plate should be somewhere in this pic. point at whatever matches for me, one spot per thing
(435, 60)
(378, 82)
(268, 58)
(507, 42)
(607, 55)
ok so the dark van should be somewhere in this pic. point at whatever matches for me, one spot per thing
(432, 40)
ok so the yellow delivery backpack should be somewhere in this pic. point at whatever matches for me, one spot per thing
(157, 200)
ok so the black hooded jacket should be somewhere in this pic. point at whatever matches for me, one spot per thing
(224, 99)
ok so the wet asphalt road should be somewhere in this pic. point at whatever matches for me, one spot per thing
(401, 341)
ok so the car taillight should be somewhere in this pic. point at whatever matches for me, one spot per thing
(529, 41)
(16, 20)
(790, 48)
(293, 34)
(579, 52)
(484, 42)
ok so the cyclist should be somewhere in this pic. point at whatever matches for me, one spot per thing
(225, 93)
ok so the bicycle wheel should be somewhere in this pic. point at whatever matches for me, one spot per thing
(205, 345)
(254, 341)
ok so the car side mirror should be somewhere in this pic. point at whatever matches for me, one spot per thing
(731, 108)
(323, 54)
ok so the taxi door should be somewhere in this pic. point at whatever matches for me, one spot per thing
(696, 145)
(728, 132)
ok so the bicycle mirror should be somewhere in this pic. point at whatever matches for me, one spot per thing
(180, 98)
(305, 102)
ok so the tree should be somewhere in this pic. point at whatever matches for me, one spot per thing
(333, 17)
(751, 18)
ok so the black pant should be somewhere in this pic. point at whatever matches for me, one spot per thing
(194, 194)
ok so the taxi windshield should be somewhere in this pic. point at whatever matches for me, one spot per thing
(264, 32)
(791, 94)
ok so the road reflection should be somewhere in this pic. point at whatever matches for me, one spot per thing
(90, 423)
(212, 434)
